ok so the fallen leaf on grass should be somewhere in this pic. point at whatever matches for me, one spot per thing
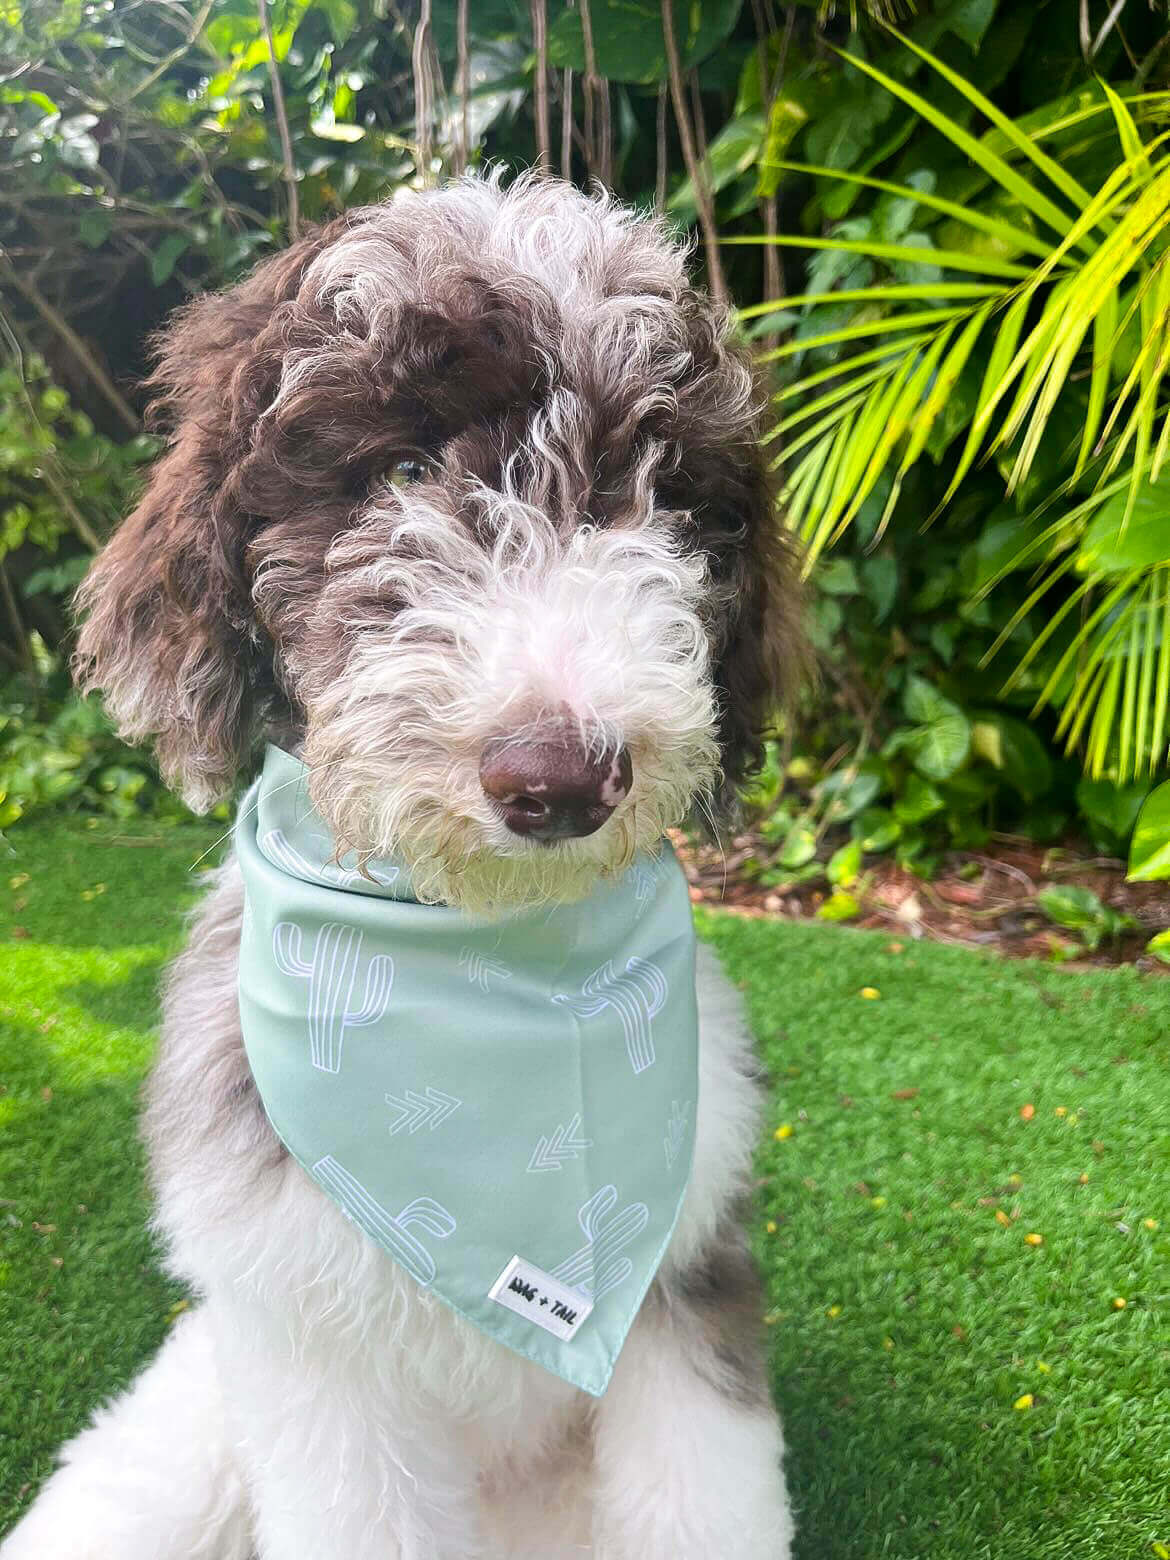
(905, 1094)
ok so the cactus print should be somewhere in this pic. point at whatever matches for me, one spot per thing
(332, 973)
(595, 1268)
(392, 1230)
(636, 997)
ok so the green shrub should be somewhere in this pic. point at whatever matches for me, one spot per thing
(961, 199)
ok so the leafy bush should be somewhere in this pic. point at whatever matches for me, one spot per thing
(57, 750)
(947, 246)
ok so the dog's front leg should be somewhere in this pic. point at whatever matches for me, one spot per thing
(339, 1466)
(687, 1444)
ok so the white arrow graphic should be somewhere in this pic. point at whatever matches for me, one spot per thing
(429, 1109)
(481, 971)
(676, 1131)
(551, 1153)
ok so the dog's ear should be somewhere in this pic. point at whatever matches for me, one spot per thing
(763, 656)
(759, 644)
(169, 634)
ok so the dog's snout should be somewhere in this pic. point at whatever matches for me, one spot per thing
(553, 788)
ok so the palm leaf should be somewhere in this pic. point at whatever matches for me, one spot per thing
(1017, 138)
(1053, 307)
(996, 168)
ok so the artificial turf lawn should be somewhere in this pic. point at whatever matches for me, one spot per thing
(907, 1320)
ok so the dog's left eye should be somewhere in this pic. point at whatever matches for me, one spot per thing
(405, 472)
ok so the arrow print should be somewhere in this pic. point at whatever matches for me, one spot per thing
(429, 1109)
(552, 1152)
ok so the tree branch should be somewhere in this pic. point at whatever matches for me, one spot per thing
(598, 126)
(19, 632)
(424, 117)
(58, 323)
(463, 83)
(567, 126)
(696, 171)
(197, 24)
(286, 151)
(48, 468)
(540, 43)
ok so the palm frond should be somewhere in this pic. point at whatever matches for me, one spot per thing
(1074, 275)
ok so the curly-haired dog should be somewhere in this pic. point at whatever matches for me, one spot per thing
(463, 505)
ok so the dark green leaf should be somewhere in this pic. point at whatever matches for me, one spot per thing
(1111, 808)
(162, 262)
(95, 226)
(1149, 851)
(628, 40)
(1112, 546)
(1012, 747)
(876, 830)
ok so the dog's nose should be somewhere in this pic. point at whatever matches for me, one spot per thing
(553, 788)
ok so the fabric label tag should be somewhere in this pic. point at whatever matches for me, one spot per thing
(536, 1295)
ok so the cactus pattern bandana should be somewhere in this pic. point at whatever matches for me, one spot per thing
(505, 1106)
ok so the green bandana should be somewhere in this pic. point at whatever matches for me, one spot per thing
(505, 1106)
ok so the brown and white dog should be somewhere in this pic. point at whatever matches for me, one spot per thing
(470, 472)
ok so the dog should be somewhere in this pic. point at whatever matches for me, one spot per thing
(474, 472)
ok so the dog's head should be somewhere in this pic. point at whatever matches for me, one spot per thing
(464, 500)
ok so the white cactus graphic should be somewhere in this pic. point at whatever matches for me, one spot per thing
(480, 971)
(280, 850)
(677, 1126)
(331, 974)
(596, 1267)
(636, 996)
(643, 877)
(393, 1230)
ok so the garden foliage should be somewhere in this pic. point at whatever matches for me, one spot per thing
(944, 226)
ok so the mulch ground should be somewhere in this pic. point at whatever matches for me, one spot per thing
(983, 900)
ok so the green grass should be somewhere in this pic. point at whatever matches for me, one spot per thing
(906, 1320)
